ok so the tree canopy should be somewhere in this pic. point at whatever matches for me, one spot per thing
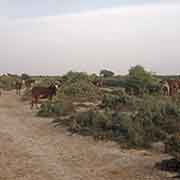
(139, 73)
(106, 73)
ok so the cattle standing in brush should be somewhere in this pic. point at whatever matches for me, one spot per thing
(42, 92)
(18, 87)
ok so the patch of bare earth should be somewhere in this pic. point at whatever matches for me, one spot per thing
(32, 149)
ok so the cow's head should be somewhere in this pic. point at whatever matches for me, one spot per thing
(165, 87)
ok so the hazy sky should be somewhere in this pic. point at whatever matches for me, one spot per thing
(53, 36)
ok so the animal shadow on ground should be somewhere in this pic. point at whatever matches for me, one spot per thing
(170, 165)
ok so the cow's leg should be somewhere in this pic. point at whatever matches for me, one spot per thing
(33, 101)
(36, 102)
(50, 98)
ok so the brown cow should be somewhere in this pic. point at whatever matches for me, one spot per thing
(170, 87)
(42, 92)
(177, 85)
(173, 87)
(18, 87)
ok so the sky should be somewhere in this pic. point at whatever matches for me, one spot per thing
(53, 36)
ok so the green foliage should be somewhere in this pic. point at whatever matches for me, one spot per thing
(135, 86)
(60, 108)
(72, 77)
(106, 73)
(79, 89)
(93, 77)
(149, 120)
(118, 100)
(173, 145)
(138, 72)
(153, 121)
(115, 82)
(7, 82)
(140, 81)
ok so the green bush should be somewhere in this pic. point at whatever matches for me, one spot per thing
(91, 122)
(80, 89)
(117, 100)
(73, 77)
(7, 82)
(149, 120)
(114, 82)
(60, 108)
(153, 121)
(173, 146)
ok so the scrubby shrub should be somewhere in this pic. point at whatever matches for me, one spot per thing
(80, 89)
(139, 73)
(114, 82)
(153, 121)
(73, 77)
(150, 120)
(173, 145)
(140, 81)
(117, 100)
(60, 108)
(95, 123)
(7, 82)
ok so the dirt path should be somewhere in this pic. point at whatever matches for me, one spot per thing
(32, 149)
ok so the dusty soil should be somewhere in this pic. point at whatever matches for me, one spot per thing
(32, 149)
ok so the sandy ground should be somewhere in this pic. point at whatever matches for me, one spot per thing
(32, 149)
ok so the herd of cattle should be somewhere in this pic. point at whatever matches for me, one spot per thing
(168, 88)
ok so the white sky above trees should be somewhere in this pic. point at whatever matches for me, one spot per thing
(114, 38)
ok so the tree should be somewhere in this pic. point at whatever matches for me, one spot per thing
(72, 77)
(139, 73)
(25, 76)
(106, 73)
(139, 78)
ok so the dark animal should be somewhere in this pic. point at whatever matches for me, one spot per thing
(98, 83)
(153, 89)
(42, 92)
(18, 87)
